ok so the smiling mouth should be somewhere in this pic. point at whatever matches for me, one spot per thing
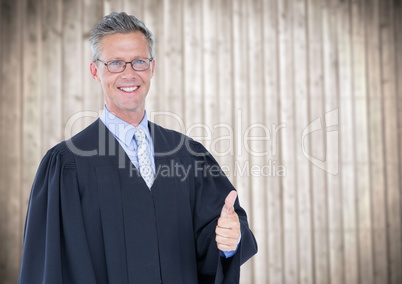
(128, 89)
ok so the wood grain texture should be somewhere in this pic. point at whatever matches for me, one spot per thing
(192, 75)
(72, 91)
(92, 97)
(299, 100)
(359, 65)
(11, 116)
(273, 238)
(317, 147)
(398, 60)
(287, 141)
(52, 75)
(301, 120)
(152, 15)
(376, 142)
(3, 198)
(347, 137)
(257, 134)
(391, 141)
(332, 98)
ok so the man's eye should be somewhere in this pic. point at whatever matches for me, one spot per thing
(115, 63)
(139, 61)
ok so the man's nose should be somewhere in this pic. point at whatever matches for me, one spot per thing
(129, 72)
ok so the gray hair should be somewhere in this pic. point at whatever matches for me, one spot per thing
(115, 23)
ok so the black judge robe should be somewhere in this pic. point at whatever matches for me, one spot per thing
(92, 219)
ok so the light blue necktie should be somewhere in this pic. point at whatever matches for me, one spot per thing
(144, 159)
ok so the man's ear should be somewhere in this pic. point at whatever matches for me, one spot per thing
(153, 67)
(94, 71)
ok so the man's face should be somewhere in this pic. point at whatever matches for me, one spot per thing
(124, 92)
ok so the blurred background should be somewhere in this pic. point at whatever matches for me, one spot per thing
(299, 100)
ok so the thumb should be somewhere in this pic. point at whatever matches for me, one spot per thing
(228, 208)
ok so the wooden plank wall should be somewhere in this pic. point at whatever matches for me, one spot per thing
(299, 100)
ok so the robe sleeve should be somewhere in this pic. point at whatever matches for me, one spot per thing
(211, 189)
(55, 249)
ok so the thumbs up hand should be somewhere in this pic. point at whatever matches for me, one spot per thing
(228, 227)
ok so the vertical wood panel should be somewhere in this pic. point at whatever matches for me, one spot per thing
(112, 6)
(222, 145)
(301, 113)
(72, 72)
(153, 15)
(92, 101)
(173, 62)
(209, 68)
(256, 146)
(317, 149)
(192, 77)
(332, 91)
(398, 72)
(3, 198)
(193, 62)
(11, 116)
(134, 7)
(169, 74)
(287, 138)
(271, 106)
(347, 142)
(365, 242)
(51, 79)
(376, 143)
(391, 143)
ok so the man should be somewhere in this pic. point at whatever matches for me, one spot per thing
(125, 200)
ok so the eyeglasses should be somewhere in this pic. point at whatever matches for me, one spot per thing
(117, 66)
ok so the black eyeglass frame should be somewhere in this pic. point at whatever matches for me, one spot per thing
(125, 65)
